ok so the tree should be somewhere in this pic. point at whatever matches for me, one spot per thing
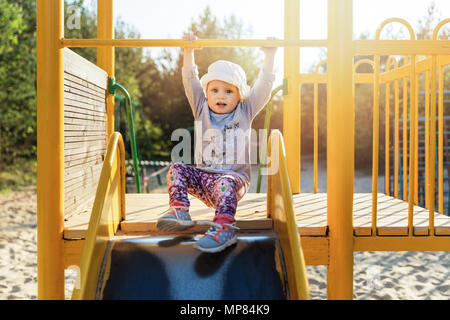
(17, 80)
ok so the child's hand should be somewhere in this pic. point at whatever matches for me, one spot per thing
(269, 50)
(191, 38)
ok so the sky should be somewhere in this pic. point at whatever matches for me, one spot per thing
(170, 18)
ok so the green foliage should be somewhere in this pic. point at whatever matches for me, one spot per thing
(17, 81)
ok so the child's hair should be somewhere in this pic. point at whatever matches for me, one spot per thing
(228, 72)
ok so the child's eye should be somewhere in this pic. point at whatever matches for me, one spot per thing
(215, 90)
(229, 91)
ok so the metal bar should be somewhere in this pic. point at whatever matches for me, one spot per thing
(105, 55)
(340, 148)
(387, 138)
(432, 181)
(50, 152)
(375, 141)
(416, 144)
(292, 100)
(401, 47)
(405, 138)
(396, 137)
(316, 133)
(441, 139)
(427, 138)
(288, 42)
(412, 143)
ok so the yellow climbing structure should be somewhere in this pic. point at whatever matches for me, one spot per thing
(336, 231)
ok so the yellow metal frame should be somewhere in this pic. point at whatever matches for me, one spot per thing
(340, 81)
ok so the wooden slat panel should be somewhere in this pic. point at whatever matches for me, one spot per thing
(84, 131)
(84, 69)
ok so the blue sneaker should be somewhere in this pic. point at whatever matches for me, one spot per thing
(217, 238)
(176, 218)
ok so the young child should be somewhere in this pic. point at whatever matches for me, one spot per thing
(221, 101)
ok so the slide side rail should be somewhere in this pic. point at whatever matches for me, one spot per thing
(280, 208)
(107, 212)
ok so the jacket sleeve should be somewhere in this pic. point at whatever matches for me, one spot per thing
(193, 90)
(260, 93)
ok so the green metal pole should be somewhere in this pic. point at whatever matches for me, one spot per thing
(112, 89)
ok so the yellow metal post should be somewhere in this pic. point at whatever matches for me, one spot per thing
(291, 101)
(105, 55)
(340, 148)
(50, 153)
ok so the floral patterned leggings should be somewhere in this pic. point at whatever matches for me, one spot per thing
(216, 190)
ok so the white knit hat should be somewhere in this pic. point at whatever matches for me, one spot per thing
(229, 72)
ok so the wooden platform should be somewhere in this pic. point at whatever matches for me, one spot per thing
(142, 211)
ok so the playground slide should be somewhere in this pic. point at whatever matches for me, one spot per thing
(260, 266)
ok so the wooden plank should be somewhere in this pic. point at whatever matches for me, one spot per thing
(84, 127)
(70, 152)
(71, 98)
(72, 252)
(315, 250)
(86, 92)
(83, 122)
(84, 139)
(83, 116)
(86, 111)
(86, 172)
(85, 144)
(83, 105)
(74, 79)
(82, 202)
(84, 156)
(82, 183)
(84, 133)
(84, 69)
(82, 165)
(97, 92)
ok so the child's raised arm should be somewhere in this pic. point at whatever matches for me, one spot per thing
(191, 82)
(260, 93)
(188, 57)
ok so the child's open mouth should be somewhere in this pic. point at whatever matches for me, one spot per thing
(221, 104)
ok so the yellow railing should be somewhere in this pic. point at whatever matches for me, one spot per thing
(280, 208)
(107, 212)
(433, 69)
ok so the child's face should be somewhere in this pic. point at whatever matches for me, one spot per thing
(222, 96)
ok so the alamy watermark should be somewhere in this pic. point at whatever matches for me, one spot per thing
(225, 148)
(73, 18)
(373, 279)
